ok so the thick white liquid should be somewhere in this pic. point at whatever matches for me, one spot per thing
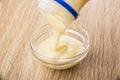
(67, 47)
(59, 46)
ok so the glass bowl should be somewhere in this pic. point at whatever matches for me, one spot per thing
(45, 32)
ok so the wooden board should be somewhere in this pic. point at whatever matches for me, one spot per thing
(20, 18)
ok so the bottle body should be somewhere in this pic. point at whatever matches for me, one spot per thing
(58, 11)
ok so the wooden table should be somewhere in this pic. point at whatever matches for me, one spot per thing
(20, 18)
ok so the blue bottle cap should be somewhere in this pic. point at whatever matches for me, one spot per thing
(67, 7)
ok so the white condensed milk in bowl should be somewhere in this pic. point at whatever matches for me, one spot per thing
(55, 44)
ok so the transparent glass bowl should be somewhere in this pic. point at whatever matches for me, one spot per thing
(63, 63)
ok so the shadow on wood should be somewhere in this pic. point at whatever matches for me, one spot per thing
(1, 78)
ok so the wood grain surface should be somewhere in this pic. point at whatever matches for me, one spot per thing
(20, 18)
